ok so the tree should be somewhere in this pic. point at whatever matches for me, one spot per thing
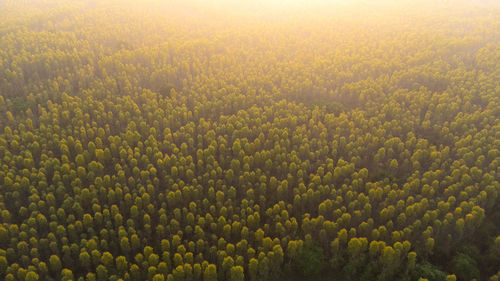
(237, 273)
(107, 259)
(465, 267)
(158, 277)
(210, 273)
(135, 272)
(31, 276)
(125, 245)
(3, 264)
(354, 247)
(497, 244)
(84, 259)
(121, 264)
(428, 271)
(55, 264)
(67, 275)
(429, 245)
(311, 261)
(451, 277)
(253, 267)
(102, 273)
(179, 273)
(388, 256)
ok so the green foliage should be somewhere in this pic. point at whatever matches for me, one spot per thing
(19, 105)
(465, 267)
(311, 261)
(429, 272)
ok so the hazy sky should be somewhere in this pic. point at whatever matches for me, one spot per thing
(276, 8)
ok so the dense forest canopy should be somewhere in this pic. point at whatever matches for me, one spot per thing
(257, 141)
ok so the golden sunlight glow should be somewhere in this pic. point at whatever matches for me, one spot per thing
(277, 9)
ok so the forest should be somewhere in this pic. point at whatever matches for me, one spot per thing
(162, 141)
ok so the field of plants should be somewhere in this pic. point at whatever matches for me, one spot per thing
(137, 143)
